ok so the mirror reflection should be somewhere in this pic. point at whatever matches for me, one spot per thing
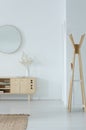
(10, 39)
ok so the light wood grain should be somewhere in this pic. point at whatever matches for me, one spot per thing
(23, 85)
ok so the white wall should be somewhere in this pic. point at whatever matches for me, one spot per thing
(40, 22)
(76, 24)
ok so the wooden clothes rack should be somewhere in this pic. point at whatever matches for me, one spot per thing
(77, 51)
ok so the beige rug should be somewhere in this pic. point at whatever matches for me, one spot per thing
(13, 122)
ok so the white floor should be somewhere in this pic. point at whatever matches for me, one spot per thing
(46, 115)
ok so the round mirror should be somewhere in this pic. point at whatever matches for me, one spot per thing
(10, 39)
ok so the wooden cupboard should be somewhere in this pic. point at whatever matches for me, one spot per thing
(20, 85)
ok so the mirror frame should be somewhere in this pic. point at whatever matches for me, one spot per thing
(17, 29)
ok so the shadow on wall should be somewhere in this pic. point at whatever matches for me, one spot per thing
(42, 89)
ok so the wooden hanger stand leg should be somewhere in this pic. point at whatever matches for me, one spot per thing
(82, 83)
(71, 85)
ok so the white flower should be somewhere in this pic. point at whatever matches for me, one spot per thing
(25, 60)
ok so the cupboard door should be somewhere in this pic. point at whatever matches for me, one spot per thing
(15, 85)
(24, 86)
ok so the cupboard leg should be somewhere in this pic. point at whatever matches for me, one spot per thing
(29, 97)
